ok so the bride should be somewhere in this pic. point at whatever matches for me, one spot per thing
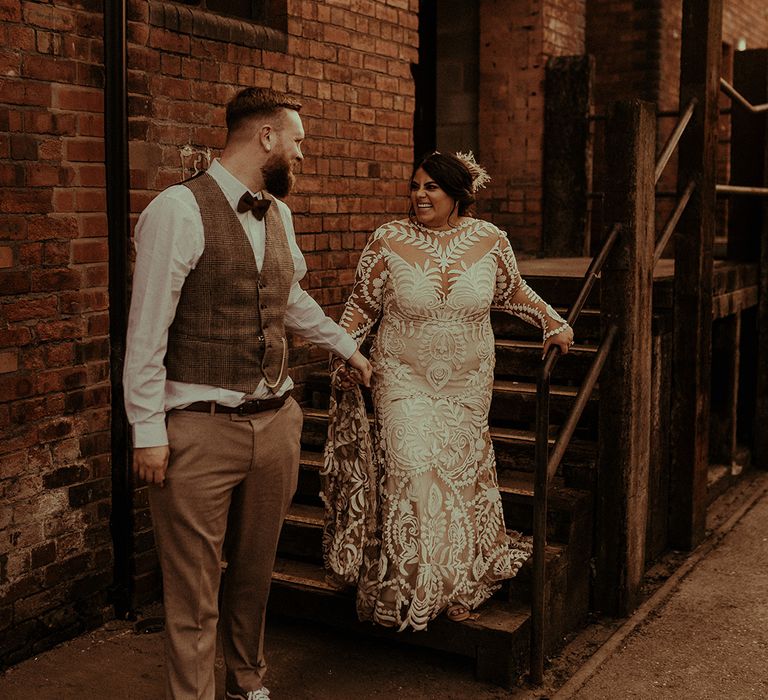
(414, 515)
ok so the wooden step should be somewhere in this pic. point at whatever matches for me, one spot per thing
(514, 403)
(515, 450)
(497, 640)
(301, 540)
(521, 359)
(559, 280)
(505, 325)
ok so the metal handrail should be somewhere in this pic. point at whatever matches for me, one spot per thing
(673, 140)
(741, 189)
(733, 93)
(674, 217)
(582, 397)
(541, 473)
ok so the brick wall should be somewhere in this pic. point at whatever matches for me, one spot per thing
(746, 19)
(624, 39)
(564, 25)
(516, 40)
(349, 62)
(55, 548)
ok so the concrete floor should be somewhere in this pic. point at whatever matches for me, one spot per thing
(710, 640)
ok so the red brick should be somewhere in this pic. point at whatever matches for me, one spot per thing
(43, 555)
(23, 147)
(55, 280)
(46, 68)
(90, 200)
(55, 226)
(9, 361)
(86, 251)
(14, 282)
(84, 150)
(93, 225)
(59, 330)
(49, 149)
(10, 11)
(77, 98)
(29, 254)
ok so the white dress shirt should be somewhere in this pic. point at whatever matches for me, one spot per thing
(169, 242)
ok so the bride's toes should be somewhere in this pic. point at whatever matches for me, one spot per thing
(457, 612)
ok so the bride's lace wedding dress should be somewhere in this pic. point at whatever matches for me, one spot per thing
(438, 535)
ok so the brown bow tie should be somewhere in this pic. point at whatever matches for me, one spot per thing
(258, 207)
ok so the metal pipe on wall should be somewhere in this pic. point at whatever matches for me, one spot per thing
(118, 212)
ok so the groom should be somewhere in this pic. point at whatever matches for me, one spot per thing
(215, 432)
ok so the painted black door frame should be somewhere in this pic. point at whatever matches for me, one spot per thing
(118, 212)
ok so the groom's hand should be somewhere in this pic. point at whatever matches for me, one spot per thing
(363, 368)
(150, 463)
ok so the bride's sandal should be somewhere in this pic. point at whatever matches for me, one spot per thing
(457, 612)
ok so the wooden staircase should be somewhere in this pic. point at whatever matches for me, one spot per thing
(498, 640)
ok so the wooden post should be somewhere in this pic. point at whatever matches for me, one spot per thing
(726, 337)
(567, 164)
(625, 385)
(748, 232)
(760, 448)
(700, 78)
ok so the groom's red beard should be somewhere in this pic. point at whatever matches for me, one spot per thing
(278, 176)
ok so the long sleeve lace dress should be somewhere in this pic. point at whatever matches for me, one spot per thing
(437, 536)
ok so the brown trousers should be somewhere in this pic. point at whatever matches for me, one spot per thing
(229, 483)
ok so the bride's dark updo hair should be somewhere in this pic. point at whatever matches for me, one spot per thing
(453, 177)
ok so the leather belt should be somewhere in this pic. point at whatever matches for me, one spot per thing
(244, 409)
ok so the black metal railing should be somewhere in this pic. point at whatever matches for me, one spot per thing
(734, 94)
(673, 140)
(674, 217)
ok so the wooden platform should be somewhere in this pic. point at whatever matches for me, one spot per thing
(734, 283)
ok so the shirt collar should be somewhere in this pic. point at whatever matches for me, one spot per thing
(232, 188)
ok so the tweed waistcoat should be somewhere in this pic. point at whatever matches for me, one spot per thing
(229, 330)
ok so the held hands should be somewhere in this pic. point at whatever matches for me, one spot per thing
(562, 340)
(150, 463)
(356, 370)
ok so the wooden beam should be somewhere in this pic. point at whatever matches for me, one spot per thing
(700, 57)
(625, 386)
(760, 447)
(567, 164)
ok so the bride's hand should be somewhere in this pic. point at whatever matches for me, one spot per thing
(357, 370)
(361, 368)
(563, 340)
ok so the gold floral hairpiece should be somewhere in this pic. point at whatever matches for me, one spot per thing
(480, 178)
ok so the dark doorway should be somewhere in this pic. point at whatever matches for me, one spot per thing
(425, 82)
(446, 77)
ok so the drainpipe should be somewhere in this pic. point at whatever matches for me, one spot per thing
(117, 192)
